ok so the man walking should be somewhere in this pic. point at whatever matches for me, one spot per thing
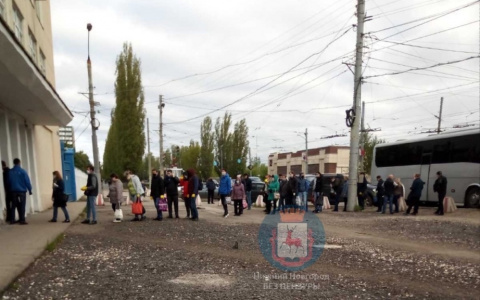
(415, 194)
(171, 186)
(19, 184)
(247, 182)
(224, 190)
(389, 187)
(440, 187)
(380, 193)
(91, 192)
(157, 192)
(303, 191)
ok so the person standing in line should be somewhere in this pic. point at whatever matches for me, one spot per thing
(19, 184)
(115, 193)
(344, 194)
(171, 187)
(157, 192)
(211, 190)
(273, 188)
(238, 194)
(380, 193)
(8, 193)
(291, 192)
(440, 187)
(267, 181)
(91, 192)
(186, 198)
(59, 198)
(415, 194)
(135, 190)
(397, 193)
(248, 190)
(225, 190)
(193, 191)
(361, 189)
(283, 194)
(389, 187)
(338, 188)
(317, 192)
(302, 189)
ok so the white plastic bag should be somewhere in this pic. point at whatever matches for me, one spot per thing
(259, 202)
(118, 215)
(198, 201)
(228, 199)
(298, 201)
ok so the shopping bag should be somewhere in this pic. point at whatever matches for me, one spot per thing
(326, 203)
(245, 204)
(229, 200)
(162, 204)
(198, 201)
(137, 207)
(118, 215)
(449, 205)
(298, 201)
(402, 205)
(259, 201)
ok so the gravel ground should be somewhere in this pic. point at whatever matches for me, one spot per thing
(180, 259)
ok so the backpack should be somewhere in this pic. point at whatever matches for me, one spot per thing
(200, 184)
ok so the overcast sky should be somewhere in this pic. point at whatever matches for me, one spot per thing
(282, 65)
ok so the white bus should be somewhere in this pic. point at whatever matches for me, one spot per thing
(456, 154)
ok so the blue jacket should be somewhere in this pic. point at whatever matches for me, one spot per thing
(303, 185)
(19, 180)
(225, 187)
(417, 187)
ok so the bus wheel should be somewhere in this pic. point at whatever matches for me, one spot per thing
(473, 197)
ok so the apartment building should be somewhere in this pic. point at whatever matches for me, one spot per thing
(31, 111)
(331, 159)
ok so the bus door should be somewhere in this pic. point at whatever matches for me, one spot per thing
(425, 174)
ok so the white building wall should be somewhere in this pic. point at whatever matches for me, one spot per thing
(80, 180)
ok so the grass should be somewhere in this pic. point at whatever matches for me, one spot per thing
(358, 208)
(53, 244)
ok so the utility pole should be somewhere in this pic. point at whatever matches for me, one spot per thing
(160, 107)
(440, 116)
(96, 162)
(149, 153)
(354, 136)
(306, 150)
(362, 137)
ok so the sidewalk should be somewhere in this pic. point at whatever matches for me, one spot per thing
(21, 245)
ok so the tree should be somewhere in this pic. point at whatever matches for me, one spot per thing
(81, 160)
(167, 162)
(231, 149)
(370, 142)
(206, 149)
(189, 156)
(125, 145)
(259, 169)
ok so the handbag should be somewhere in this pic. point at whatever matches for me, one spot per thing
(298, 201)
(162, 204)
(137, 207)
(228, 200)
(118, 215)
(245, 204)
(276, 195)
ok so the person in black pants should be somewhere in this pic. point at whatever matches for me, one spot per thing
(19, 183)
(415, 194)
(380, 193)
(292, 191)
(283, 194)
(361, 189)
(338, 188)
(171, 188)
(8, 193)
(157, 192)
(440, 187)
(210, 189)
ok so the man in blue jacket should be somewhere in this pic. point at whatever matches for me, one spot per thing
(415, 194)
(19, 185)
(302, 189)
(224, 190)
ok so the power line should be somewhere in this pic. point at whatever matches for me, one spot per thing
(430, 48)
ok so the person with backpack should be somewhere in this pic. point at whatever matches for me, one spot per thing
(211, 190)
(171, 187)
(157, 192)
(338, 188)
(224, 190)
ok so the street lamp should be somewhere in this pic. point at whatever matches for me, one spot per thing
(96, 161)
(305, 136)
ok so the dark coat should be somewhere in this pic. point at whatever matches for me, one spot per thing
(417, 187)
(283, 188)
(380, 188)
(317, 184)
(326, 186)
(92, 186)
(292, 186)
(157, 187)
(389, 187)
(192, 183)
(248, 185)
(210, 185)
(58, 194)
(171, 185)
(362, 185)
(6, 183)
(440, 185)
(338, 184)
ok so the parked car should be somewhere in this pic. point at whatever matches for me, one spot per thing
(204, 192)
(255, 179)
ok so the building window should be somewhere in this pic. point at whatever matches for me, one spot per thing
(32, 43)
(2, 9)
(18, 23)
(42, 62)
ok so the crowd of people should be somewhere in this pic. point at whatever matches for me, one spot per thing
(281, 194)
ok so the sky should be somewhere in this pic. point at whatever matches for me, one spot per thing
(284, 66)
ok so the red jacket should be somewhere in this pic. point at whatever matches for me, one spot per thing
(184, 183)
